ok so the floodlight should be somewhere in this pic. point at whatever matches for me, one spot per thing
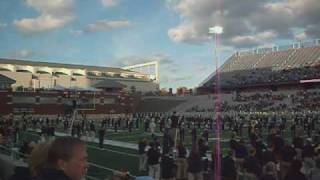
(216, 30)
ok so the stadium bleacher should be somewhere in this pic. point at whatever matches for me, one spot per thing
(158, 104)
(272, 66)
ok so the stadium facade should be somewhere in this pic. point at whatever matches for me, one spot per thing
(42, 88)
(44, 75)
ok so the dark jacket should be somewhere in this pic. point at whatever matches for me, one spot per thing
(228, 168)
(295, 176)
(153, 156)
(252, 165)
(268, 156)
(52, 174)
(21, 173)
(142, 146)
(267, 177)
(168, 167)
(194, 164)
(241, 151)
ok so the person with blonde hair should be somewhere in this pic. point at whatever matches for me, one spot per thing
(36, 162)
(38, 157)
(66, 160)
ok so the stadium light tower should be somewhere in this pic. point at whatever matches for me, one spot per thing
(217, 31)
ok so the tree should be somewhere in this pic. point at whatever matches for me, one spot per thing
(19, 88)
(170, 91)
(133, 89)
(164, 92)
(191, 91)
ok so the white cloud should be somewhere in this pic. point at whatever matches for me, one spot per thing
(254, 40)
(187, 34)
(25, 53)
(76, 32)
(41, 24)
(301, 36)
(131, 60)
(174, 79)
(2, 25)
(247, 22)
(181, 78)
(109, 3)
(105, 25)
(54, 14)
(201, 68)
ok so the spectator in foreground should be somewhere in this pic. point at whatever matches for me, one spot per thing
(66, 160)
(168, 167)
(181, 162)
(154, 161)
(295, 171)
(36, 163)
(142, 154)
(229, 171)
(194, 165)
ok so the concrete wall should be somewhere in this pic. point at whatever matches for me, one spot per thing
(48, 81)
(22, 78)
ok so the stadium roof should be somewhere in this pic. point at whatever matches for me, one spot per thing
(61, 65)
(108, 83)
(6, 80)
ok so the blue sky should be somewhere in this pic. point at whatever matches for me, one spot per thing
(124, 32)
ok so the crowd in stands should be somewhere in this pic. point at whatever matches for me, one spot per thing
(297, 101)
(268, 76)
(276, 67)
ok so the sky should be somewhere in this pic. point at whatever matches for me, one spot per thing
(116, 33)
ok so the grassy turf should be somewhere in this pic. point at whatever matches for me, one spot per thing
(116, 158)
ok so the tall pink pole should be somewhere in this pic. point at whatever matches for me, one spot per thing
(217, 167)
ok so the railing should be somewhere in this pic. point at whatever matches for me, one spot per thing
(294, 45)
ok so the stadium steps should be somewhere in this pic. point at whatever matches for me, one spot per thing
(156, 104)
(258, 61)
(203, 102)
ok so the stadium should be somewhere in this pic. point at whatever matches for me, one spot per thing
(159, 90)
(262, 91)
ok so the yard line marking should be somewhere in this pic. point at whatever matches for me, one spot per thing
(104, 149)
(109, 169)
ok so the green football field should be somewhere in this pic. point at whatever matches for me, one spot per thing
(103, 162)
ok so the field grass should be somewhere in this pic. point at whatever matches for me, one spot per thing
(105, 161)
